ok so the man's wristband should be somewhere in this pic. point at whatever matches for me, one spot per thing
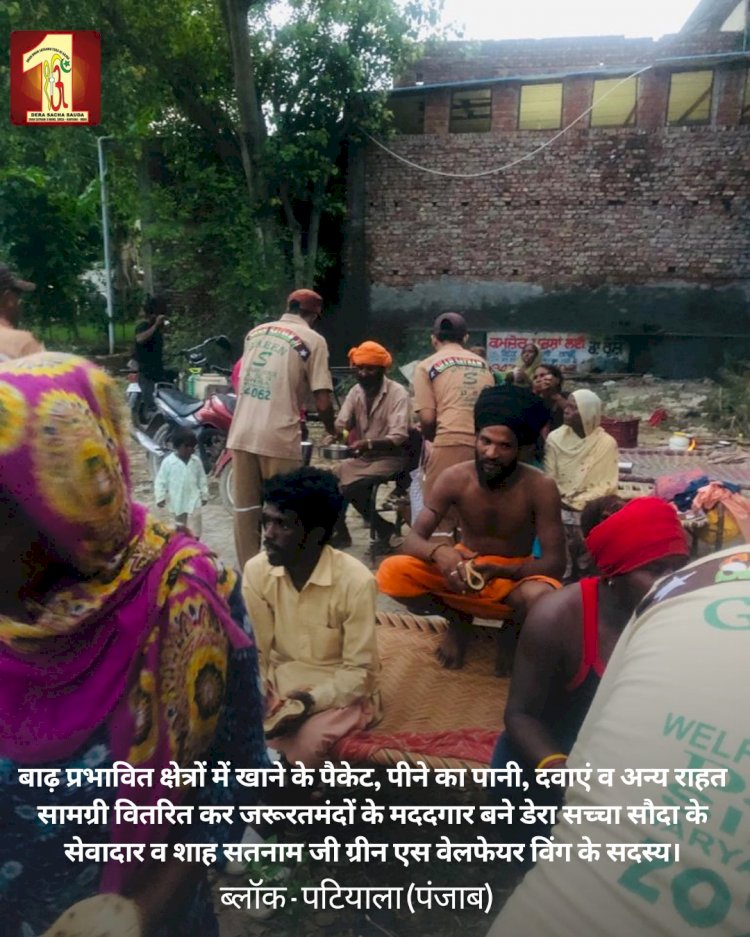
(550, 759)
(434, 550)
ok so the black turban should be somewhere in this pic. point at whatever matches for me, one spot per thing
(515, 407)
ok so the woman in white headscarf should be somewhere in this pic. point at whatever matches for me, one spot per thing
(583, 460)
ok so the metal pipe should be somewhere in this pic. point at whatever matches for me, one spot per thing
(107, 247)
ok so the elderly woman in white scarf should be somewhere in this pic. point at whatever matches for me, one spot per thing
(583, 460)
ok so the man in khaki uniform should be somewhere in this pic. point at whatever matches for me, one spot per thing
(446, 387)
(14, 342)
(282, 364)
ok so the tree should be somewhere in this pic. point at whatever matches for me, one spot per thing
(322, 73)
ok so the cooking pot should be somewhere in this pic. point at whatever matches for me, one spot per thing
(335, 452)
(681, 442)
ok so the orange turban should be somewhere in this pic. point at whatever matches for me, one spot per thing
(370, 353)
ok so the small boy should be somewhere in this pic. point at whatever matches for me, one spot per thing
(181, 483)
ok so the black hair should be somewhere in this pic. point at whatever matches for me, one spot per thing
(554, 371)
(447, 332)
(155, 306)
(599, 510)
(184, 437)
(312, 493)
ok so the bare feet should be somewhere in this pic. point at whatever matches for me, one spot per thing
(453, 647)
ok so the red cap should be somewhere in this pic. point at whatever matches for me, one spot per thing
(307, 300)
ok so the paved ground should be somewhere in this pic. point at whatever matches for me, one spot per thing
(217, 522)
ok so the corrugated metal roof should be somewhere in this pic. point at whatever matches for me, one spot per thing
(596, 72)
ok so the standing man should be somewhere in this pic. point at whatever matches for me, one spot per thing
(14, 342)
(313, 613)
(376, 411)
(283, 362)
(446, 387)
(502, 505)
(149, 347)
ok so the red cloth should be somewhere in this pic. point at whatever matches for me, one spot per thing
(235, 379)
(646, 529)
(474, 746)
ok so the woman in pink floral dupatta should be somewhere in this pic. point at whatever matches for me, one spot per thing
(120, 640)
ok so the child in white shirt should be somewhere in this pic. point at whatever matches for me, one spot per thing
(181, 483)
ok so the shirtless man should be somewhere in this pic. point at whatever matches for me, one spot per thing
(502, 505)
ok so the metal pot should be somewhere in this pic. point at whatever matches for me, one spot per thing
(336, 452)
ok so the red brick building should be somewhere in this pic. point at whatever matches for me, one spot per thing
(634, 223)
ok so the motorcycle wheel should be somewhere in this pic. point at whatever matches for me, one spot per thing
(161, 438)
(226, 488)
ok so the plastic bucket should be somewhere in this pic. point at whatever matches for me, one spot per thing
(624, 432)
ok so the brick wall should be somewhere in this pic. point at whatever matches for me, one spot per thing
(600, 206)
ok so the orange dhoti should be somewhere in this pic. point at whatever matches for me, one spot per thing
(406, 577)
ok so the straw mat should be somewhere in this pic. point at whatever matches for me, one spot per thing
(446, 718)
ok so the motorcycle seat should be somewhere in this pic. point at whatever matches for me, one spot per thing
(229, 401)
(182, 404)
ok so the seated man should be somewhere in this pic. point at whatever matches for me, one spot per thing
(584, 461)
(569, 635)
(376, 412)
(502, 504)
(675, 696)
(313, 611)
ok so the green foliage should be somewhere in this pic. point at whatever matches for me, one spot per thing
(321, 72)
(728, 405)
(50, 234)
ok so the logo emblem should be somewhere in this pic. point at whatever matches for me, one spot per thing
(55, 77)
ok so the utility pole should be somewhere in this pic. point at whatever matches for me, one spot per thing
(107, 249)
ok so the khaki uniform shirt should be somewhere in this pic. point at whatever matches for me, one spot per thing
(449, 382)
(283, 362)
(321, 639)
(389, 418)
(15, 343)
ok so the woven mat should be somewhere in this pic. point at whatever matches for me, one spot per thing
(446, 717)
(420, 695)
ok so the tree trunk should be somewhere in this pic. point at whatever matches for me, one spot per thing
(252, 126)
(295, 228)
(313, 235)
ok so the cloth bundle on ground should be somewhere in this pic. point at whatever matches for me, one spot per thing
(646, 529)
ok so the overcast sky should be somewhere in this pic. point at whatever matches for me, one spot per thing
(533, 19)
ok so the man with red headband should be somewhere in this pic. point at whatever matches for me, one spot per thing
(666, 733)
(282, 364)
(376, 415)
(569, 634)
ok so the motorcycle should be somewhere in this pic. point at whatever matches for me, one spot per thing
(224, 472)
(148, 419)
(209, 419)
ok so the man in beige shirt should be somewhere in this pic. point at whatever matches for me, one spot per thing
(446, 387)
(282, 364)
(313, 611)
(14, 342)
(377, 415)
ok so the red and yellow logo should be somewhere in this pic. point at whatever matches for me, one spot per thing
(55, 77)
